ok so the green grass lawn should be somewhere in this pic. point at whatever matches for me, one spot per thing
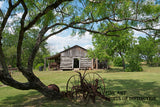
(124, 88)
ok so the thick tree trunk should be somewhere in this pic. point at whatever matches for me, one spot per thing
(123, 61)
(35, 84)
(33, 81)
(51, 94)
(107, 65)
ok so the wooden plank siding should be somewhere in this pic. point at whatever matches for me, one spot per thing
(86, 63)
(66, 62)
(67, 58)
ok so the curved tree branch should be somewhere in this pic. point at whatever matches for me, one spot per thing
(54, 33)
(1, 13)
(47, 9)
(36, 47)
(10, 9)
(8, 80)
(21, 36)
(3, 24)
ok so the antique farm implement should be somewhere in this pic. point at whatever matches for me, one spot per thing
(82, 88)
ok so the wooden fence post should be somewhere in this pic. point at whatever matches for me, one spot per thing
(96, 63)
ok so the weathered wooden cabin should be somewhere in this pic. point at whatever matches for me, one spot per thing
(69, 59)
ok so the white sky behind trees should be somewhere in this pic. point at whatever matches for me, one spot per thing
(1, 2)
(57, 42)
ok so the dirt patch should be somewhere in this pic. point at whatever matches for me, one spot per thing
(3, 85)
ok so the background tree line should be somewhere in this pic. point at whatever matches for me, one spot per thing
(126, 50)
(10, 44)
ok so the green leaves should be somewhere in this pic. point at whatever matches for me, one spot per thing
(1, 14)
(48, 18)
(147, 48)
(109, 17)
(109, 47)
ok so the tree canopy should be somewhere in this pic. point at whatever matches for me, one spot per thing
(112, 46)
(22, 16)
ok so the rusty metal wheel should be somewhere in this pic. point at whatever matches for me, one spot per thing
(97, 83)
(81, 88)
(74, 80)
(72, 87)
(75, 91)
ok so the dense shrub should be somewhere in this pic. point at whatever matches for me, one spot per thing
(39, 65)
(156, 61)
(133, 66)
(118, 61)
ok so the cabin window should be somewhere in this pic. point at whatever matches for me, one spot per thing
(76, 63)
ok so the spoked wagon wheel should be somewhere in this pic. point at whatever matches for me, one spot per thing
(97, 86)
(74, 89)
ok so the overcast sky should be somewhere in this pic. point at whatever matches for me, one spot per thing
(57, 42)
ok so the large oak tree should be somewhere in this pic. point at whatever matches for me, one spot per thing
(59, 15)
(107, 47)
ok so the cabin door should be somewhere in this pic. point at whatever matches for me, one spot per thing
(75, 63)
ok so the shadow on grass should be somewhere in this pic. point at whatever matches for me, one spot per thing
(111, 70)
(138, 93)
(114, 70)
(34, 99)
(133, 88)
(19, 99)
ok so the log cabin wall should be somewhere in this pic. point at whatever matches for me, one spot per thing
(86, 63)
(67, 58)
